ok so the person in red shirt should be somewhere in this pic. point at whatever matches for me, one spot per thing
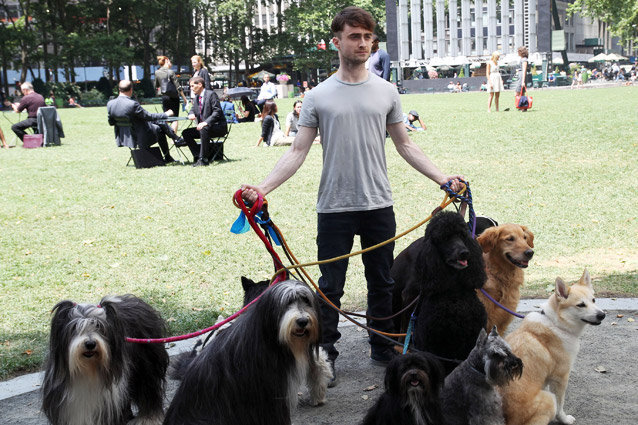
(31, 101)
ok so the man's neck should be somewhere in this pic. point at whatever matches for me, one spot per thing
(352, 73)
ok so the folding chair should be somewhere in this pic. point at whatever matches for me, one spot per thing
(217, 144)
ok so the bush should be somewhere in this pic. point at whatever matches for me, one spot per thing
(40, 87)
(93, 96)
(145, 88)
(63, 90)
(104, 86)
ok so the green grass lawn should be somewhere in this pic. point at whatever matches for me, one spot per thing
(76, 223)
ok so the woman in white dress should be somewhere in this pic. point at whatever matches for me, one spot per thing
(494, 81)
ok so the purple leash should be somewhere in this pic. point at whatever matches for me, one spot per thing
(513, 313)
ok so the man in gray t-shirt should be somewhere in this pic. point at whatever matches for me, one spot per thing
(352, 110)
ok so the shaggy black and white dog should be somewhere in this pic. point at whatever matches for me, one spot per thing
(444, 268)
(411, 397)
(470, 395)
(93, 376)
(251, 371)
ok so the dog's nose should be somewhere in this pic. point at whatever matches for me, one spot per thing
(302, 322)
(464, 254)
(90, 344)
(529, 254)
(600, 316)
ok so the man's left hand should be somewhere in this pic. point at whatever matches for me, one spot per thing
(201, 125)
(456, 184)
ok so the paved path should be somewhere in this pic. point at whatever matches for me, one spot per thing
(593, 398)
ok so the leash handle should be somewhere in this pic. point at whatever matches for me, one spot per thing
(241, 204)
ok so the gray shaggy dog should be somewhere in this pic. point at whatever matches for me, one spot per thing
(469, 394)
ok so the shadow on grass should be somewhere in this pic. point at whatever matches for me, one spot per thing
(612, 285)
(620, 285)
(21, 353)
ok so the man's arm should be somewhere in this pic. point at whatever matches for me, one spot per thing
(144, 115)
(385, 62)
(422, 125)
(286, 167)
(414, 156)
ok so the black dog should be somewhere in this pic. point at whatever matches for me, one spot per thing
(412, 385)
(443, 268)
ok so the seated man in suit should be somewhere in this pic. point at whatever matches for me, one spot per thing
(145, 133)
(207, 113)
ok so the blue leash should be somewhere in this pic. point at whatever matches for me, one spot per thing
(467, 198)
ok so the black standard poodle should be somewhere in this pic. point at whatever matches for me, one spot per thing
(443, 268)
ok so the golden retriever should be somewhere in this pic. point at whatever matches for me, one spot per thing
(507, 250)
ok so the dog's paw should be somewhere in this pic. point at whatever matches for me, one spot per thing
(565, 419)
(311, 401)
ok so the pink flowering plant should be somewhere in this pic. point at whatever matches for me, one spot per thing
(283, 78)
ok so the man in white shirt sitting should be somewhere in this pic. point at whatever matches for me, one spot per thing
(268, 91)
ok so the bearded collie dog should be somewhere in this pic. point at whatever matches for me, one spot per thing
(93, 376)
(250, 372)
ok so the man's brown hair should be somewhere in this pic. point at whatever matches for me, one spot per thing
(197, 80)
(353, 16)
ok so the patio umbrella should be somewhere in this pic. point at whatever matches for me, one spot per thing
(237, 92)
(615, 57)
(600, 57)
(260, 75)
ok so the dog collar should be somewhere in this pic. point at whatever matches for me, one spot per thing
(482, 373)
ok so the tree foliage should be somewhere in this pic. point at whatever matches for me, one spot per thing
(620, 15)
(61, 35)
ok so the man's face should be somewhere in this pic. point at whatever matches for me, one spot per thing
(266, 78)
(375, 45)
(196, 87)
(411, 117)
(354, 44)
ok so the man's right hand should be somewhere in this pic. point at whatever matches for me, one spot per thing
(169, 113)
(251, 193)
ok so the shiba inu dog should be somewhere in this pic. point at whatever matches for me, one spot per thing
(547, 342)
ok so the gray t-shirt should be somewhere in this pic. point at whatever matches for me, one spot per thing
(352, 119)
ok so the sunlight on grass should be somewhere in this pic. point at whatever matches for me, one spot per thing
(76, 223)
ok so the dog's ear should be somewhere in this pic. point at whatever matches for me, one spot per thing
(585, 280)
(562, 290)
(392, 379)
(246, 283)
(529, 235)
(488, 239)
(482, 337)
(494, 332)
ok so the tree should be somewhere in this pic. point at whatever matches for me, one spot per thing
(620, 15)
(313, 18)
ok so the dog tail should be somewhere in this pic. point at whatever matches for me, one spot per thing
(180, 364)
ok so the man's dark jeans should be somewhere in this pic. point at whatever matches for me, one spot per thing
(335, 237)
(20, 127)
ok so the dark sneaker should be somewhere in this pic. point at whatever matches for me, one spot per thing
(383, 356)
(179, 142)
(333, 381)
